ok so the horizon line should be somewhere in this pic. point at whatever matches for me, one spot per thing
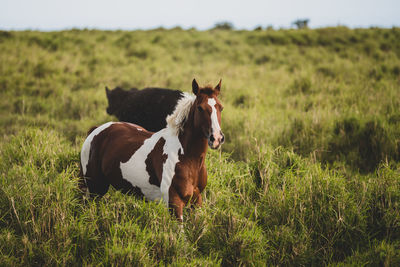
(125, 28)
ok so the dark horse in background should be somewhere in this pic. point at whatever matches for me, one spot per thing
(148, 107)
(168, 165)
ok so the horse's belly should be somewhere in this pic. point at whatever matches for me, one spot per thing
(150, 191)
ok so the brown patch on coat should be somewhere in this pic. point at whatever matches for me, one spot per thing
(154, 164)
(108, 149)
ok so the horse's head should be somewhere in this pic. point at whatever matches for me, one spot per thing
(207, 113)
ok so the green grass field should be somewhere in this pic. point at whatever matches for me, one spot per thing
(309, 173)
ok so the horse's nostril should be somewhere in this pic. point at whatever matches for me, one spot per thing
(212, 139)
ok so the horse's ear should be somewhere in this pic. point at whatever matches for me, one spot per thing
(195, 87)
(107, 91)
(218, 87)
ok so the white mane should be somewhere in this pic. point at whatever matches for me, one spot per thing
(177, 119)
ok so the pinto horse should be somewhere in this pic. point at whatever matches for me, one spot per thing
(167, 165)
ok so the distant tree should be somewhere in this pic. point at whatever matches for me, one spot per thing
(177, 28)
(258, 28)
(301, 23)
(270, 27)
(224, 25)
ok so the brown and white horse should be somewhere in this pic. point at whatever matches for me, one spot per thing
(168, 164)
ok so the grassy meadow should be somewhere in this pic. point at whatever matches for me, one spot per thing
(309, 173)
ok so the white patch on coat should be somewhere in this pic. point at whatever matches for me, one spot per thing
(85, 152)
(134, 170)
(172, 149)
(216, 128)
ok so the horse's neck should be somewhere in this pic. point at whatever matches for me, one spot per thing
(193, 142)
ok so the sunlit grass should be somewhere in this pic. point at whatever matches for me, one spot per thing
(309, 173)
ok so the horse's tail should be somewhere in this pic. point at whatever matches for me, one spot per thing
(91, 130)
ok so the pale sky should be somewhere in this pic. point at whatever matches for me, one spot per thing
(202, 14)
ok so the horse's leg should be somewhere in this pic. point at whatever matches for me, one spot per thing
(97, 185)
(96, 181)
(176, 204)
(202, 182)
(197, 198)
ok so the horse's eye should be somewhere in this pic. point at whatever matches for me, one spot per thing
(199, 108)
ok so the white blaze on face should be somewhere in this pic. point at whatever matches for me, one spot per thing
(215, 127)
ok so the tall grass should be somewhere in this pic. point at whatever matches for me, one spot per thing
(309, 173)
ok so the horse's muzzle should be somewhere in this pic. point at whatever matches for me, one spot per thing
(216, 140)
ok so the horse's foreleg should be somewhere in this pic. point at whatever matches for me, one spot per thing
(198, 200)
(176, 205)
(96, 186)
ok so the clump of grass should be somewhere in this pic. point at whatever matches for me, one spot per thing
(304, 138)
(242, 101)
(326, 71)
(138, 53)
(262, 59)
(363, 146)
(301, 85)
(5, 35)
